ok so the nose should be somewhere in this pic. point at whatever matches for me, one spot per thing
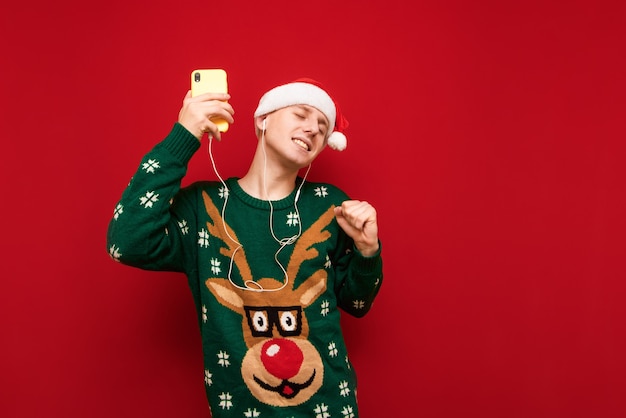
(311, 126)
(281, 357)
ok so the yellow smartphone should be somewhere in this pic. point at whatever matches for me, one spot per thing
(210, 81)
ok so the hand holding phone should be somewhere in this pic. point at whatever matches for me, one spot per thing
(210, 81)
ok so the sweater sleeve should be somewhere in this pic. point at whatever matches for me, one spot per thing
(358, 280)
(144, 231)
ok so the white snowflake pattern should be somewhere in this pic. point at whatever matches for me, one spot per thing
(205, 317)
(203, 238)
(223, 359)
(325, 308)
(119, 209)
(344, 390)
(348, 365)
(215, 266)
(226, 400)
(149, 199)
(321, 411)
(251, 413)
(151, 166)
(321, 191)
(184, 228)
(208, 377)
(332, 349)
(358, 304)
(223, 192)
(328, 263)
(347, 412)
(292, 219)
(114, 252)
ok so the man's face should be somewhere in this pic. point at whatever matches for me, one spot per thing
(297, 132)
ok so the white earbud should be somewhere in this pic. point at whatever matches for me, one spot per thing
(264, 123)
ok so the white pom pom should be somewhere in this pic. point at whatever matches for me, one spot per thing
(337, 141)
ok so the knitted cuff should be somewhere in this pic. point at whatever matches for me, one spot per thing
(368, 264)
(181, 143)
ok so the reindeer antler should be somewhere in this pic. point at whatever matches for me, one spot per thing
(303, 249)
(229, 238)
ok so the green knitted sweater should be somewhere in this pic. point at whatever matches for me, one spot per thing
(267, 305)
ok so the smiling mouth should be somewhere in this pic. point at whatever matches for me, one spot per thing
(286, 389)
(301, 144)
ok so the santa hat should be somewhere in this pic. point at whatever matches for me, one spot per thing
(305, 91)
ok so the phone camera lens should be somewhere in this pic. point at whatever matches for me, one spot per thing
(196, 77)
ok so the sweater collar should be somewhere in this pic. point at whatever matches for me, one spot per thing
(237, 191)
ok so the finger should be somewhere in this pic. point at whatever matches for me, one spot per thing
(358, 213)
(216, 110)
(212, 130)
(205, 97)
(365, 219)
(226, 112)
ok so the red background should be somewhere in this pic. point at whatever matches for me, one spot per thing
(488, 134)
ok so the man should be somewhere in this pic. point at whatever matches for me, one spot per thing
(269, 257)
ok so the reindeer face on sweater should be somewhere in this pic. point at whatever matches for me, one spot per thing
(281, 366)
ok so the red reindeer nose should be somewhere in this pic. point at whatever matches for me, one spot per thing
(282, 358)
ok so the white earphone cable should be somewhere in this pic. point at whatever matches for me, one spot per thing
(251, 284)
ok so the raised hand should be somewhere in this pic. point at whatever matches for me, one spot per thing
(197, 113)
(358, 219)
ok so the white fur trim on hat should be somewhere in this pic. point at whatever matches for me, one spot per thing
(298, 93)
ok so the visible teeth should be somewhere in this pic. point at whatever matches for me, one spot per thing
(301, 143)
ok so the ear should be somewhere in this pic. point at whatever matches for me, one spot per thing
(224, 293)
(258, 122)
